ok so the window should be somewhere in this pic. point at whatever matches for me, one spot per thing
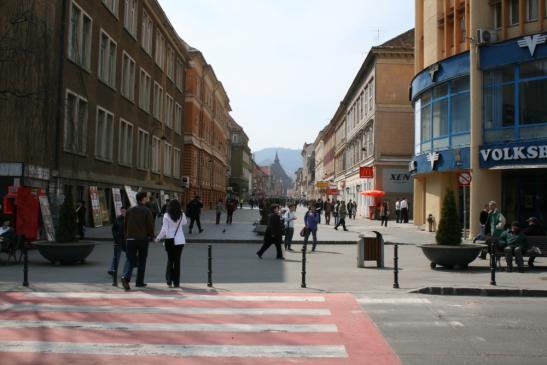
(128, 77)
(107, 60)
(463, 27)
(112, 5)
(179, 74)
(76, 114)
(235, 138)
(532, 10)
(146, 32)
(176, 163)
(155, 161)
(79, 37)
(170, 63)
(160, 49)
(497, 15)
(130, 17)
(158, 101)
(178, 118)
(169, 112)
(143, 150)
(144, 91)
(168, 160)
(513, 12)
(104, 132)
(370, 95)
(125, 152)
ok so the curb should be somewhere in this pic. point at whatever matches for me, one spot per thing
(252, 241)
(486, 292)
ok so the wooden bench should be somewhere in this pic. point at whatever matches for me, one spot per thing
(533, 241)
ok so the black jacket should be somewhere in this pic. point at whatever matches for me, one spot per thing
(483, 218)
(274, 231)
(193, 210)
(118, 230)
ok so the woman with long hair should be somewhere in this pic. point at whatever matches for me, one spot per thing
(173, 233)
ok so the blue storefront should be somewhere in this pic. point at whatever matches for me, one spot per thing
(515, 122)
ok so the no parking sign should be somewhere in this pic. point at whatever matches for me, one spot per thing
(465, 178)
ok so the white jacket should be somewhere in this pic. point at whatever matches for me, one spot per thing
(169, 227)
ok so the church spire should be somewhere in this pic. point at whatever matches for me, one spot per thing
(276, 161)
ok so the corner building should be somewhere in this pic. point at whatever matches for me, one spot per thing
(479, 102)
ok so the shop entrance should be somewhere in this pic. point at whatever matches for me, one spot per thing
(524, 194)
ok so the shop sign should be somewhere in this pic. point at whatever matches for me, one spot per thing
(397, 181)
(366, 172)
(36, 172)
(433, 158)
(513, 154)
(131, 195)
(532, 41)
(117, 199)
(95, 207)
(11, 169)
(322, 184)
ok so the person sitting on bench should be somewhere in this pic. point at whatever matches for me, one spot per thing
(514, 244)
(533, 229)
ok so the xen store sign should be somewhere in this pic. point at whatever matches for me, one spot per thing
(513, 154)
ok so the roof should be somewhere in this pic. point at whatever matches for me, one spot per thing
(405, 40)
(265, 169)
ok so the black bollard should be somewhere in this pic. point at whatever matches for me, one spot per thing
(492, 247)
(115, 278)
(396, 266)
(304, 249)
(25, 264)
(210, 266)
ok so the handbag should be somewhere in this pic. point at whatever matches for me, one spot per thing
(303, 232)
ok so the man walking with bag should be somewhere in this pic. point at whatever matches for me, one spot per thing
(139, 231)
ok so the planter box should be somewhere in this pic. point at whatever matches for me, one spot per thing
(65, 253)
(451, 256)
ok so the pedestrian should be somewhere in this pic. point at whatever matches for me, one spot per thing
(328, 210)
(342, 213)
(349, 207)
(231, 206)
(319, 208)
(335, 212)
(514, 243)
(164, 208)
(398, 211)
(404, 210)
(311, 220)
(241, 203)
(494, 227)
(289, 219)
(153, 206)
(483, 218)
(118, 233)
(384, 214)
(172, 232)
(193, 211)
(80, 218)
(219, 209)
(273, 234)
(534, 229)
(139, 231)
(354, 209)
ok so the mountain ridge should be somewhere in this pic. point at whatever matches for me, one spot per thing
(290, 159)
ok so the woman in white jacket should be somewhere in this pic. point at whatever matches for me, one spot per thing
(173, 233)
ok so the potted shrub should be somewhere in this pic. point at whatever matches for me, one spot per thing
(66, 249)
(449, 250)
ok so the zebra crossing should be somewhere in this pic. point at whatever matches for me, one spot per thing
(171, 327)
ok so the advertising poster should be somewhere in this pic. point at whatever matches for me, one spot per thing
(117, 200)
(105, 216)
(95, 207)
(131, 195)
(49, 229)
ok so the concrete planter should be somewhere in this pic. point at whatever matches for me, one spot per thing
(451, 256)
(65, 253)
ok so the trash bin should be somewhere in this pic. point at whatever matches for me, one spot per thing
(370, 249)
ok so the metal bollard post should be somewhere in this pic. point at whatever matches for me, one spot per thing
(115, 278)
(396, 266)
(210, 266)
(25, 264)
(303, 285)
(492, 247)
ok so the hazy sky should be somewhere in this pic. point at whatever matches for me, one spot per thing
(286, 64)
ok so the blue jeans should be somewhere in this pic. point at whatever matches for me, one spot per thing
(314, 235)
(135, 250)
(116, 257)
(288, 237)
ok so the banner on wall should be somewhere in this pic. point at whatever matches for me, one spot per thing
(117, 200)
(49, 229)
(131, 195)
(95, 207)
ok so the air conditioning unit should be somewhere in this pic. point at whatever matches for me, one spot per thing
(185, 182)
(485, 36)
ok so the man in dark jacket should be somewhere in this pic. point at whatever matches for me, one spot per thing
(515, 244)
(273, 234)
(118, 233)
(139, 231)
(533, 229)
(193, 211)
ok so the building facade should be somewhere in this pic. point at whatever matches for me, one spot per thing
(479, 107)
(206, 133)
(373, 128)
(114, 111)
(241, 164)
